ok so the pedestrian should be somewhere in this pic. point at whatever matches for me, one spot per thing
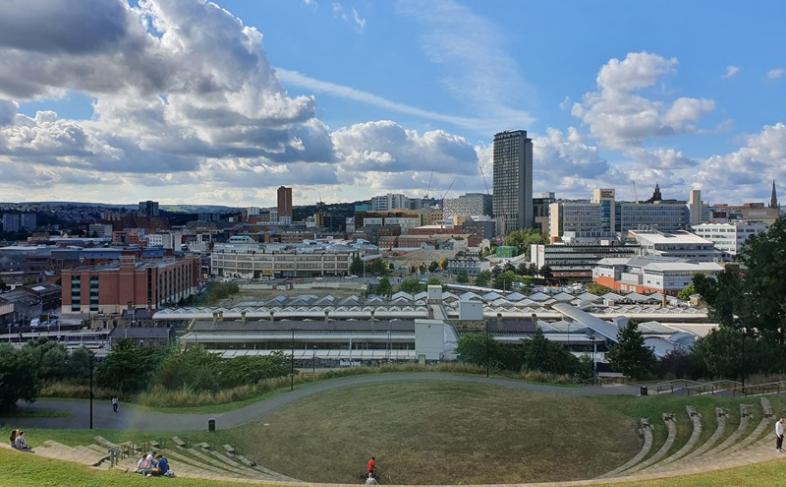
(114, 403)
(372, 466)
(779, 435)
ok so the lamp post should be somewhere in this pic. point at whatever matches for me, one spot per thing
(743, 333)
(594, 355)
(314, 361)
(90, 362)
(292, 362)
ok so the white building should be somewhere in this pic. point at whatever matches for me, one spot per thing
(679, 245)
(647, 275)
(167, 240)
(255, 265)
(389, 202)
(729, 237)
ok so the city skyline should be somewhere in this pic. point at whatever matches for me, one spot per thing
(184, 103)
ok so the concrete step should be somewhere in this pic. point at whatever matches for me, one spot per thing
(645, 431)
(671, 426)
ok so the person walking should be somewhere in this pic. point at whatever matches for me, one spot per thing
(779, 426)
(114, 403)
(372, 466)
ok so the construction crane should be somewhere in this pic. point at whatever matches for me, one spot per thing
(483, 177)
(448, 190)
(428, 189)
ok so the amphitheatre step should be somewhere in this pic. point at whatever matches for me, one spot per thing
(671, 425)
(732, 439)
(104, 442)
(177, 459)
(178, 441)
(199, 455)
(760, 429)
(238, 466)
(720, 419)
(85, 456)
(689, 445)
(645, 431)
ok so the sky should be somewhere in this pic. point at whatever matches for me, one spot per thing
(194, 102)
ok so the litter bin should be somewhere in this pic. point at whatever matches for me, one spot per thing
(643, 390)
(211, 425)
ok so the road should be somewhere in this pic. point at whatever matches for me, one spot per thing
(134, 418)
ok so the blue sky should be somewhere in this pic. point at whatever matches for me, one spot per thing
(685, 94)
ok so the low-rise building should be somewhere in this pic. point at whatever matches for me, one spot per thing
(576, 261)
(285, 263)
(147, 283)
(470, 264)
(729, 237)
(647, 275)
(678, 245)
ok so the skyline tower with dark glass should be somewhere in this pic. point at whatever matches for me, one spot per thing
(512, 199)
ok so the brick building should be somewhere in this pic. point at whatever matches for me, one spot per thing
(135, 283)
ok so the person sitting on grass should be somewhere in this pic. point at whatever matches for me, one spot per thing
(14, 433)
(162, 468)
(144, 466)
(20, 443)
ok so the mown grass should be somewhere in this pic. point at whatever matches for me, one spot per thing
(441, 432)
(26, 470)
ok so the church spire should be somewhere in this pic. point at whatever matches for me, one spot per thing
(774, 197)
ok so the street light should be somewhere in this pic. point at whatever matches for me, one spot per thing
(744, 332)
(90, 361)
(591, 334)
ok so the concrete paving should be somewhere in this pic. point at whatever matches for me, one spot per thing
(134, 418)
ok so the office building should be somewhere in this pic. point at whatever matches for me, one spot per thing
(646, 275)
(729, 237)
(11, 222)
(581, 220)
(695, 207)
(248, 264)
(130, 283)
(752, 212)
(540, 211)
(284, 207)
(390, 202)
(100, 230)
(678, 245)
(667, 216)
(28, 221)
(148, 209)
(470, 204)
(576, 261)
(512, 181)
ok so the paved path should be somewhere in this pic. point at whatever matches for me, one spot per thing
(139, 419)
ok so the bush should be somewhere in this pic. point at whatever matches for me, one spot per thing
(18, 377)
(129, 367)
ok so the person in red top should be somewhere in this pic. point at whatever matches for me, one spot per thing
(372, 465)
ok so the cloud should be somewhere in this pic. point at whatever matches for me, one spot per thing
(731, 71)
(385, 146)
(619, 116)
(295, 78)
(776, 73)
(746, 173)
(479, 70)
(350, 16)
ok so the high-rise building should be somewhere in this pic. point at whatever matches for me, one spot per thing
(512, 181)
(470, 204)
(695, 207)
(390, 202)
(28, 221)
(11, 222)
(284, 206)
(540, 211)
(774, 197)
(148, 209)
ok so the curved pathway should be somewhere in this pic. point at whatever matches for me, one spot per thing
(140, 419)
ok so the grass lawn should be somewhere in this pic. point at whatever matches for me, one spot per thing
(441, 432)
(31, 471)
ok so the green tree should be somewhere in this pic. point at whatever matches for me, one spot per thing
(505, 280)
(598, 289)
(411, 285)
(443, 263)
(478, 349)
(433, 281)
(356, 267)
(433, 267)
(18, 377)
(629, 355)
(523, 239)
(462, 277)
(544, 355)
(129, 367)
(377, 267)
(383, 287)
(686, 292)
(483, 278)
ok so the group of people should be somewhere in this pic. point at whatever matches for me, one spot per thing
(152, 465)
(18, 440)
